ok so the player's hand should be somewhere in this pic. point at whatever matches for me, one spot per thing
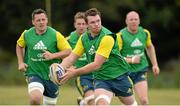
(156, 70)
(136, 59)
(47, 55)
(70, 72)
(22, 67)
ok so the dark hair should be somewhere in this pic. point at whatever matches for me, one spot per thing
(92, 12)
(38, 11)
(79, 15)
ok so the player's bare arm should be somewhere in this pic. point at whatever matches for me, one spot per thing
(59, 55)
(71, 72)
(152, 55)
(20, 55)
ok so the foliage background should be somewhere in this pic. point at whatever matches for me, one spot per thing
(161, 17)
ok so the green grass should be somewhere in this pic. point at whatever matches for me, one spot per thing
(14, 95)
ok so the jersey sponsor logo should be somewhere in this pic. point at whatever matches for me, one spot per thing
(136, 42)
(40, 46)
(137, 51)
(92, 50)
(38, 59)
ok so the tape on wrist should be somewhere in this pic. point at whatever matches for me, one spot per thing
(133, 59)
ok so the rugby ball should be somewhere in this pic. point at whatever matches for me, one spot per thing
(56, 72)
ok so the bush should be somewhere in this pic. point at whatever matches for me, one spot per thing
(168, 78)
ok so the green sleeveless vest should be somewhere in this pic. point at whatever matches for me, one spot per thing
(114, 66)
(37, 65)
(135, 44)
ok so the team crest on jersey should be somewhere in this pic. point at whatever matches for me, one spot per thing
(92, 50)
(136, 42)
(40, 46)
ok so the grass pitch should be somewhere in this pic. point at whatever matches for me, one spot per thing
(18, 95)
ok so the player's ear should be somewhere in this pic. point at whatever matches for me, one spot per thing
(74, 24)
(33, 22)
(126, 21)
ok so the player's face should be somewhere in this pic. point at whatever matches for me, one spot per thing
(40, 22)
(80, 25)
(132, 21)
(94, 24)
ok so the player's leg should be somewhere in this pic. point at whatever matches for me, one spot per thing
(78, 83)
(89, 97)
(48, 101)
(35, 89)
(103, 97)
(122, 88)
(139, 80)
(85, 87)
(103, 92)
(141, 89)
(51, 93)
(140, 86)
(129, 100)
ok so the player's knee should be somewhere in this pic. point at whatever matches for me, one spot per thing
(102, 100)
(35, 90)
(144, 101)
(49, 101)
(91, 102)
(134, 104)
(35, 100)
(88, 100)
(35, 86)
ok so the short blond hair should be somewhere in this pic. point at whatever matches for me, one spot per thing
(79, 15)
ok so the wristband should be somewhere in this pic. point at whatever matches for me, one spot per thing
(133, 59)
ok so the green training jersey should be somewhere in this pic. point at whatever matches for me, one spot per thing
(114, 66)
(37, 65)
(82, 61)
(135, 44)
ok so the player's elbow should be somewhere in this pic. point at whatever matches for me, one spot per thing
(97, 65)
(67, 53)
